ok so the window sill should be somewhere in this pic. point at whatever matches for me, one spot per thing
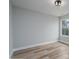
(65, 36)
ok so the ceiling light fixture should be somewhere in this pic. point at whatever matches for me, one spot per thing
(58, 2)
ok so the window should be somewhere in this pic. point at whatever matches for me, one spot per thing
(65, 27)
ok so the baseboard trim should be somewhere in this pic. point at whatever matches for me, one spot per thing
(11, 54)
(66, 43)
(31, 46)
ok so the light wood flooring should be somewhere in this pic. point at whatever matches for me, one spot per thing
(51, 51)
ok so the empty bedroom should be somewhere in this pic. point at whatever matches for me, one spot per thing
(39, 29)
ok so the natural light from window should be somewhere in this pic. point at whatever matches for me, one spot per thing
(65, 27)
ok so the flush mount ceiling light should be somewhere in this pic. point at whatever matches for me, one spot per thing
(58, 2)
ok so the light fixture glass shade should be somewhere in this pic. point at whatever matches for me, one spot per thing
(58, 2)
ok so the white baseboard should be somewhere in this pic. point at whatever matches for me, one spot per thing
(11, 54)
(66, 42)
(30, 46)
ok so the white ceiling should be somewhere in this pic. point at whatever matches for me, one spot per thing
(44, 6)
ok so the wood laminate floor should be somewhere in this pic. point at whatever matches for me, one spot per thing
(51, 51)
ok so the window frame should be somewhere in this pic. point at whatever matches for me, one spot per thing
(60, 28)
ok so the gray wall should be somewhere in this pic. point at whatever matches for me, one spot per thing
(10, 28)
(33, 28)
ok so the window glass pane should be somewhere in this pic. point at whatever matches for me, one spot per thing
(65, 27)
